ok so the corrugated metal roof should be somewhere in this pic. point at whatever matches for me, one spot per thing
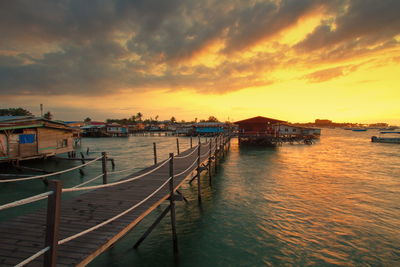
(258, 119)
(12, 118)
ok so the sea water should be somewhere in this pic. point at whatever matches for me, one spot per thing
(333, 203)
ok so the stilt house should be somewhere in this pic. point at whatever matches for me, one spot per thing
(27, 137)
(258, 130)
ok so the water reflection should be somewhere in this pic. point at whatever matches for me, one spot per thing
(332, 203)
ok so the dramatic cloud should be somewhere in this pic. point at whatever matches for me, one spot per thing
(329, 74)
(55, 47)
(362, 26)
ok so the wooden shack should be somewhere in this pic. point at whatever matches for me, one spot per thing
(210, 128)
(27, 137)
(115, 129)
(289, 130)
(258, 131)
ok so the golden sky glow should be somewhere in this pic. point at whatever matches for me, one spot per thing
(290, 60)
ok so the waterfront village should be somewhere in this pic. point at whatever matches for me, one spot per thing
(95, 224)
(28, 137)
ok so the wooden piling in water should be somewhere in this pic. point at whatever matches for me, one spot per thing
(177, 145)
(82, 158)
(104, 166)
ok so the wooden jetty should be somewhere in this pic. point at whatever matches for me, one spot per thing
(73, 232)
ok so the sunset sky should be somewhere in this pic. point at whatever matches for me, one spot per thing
(295, 60)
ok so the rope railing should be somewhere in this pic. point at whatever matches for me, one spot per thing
(211, 149)
(182, 157)
(26, 200)
(115, 183)
(33, 257)
(88, 181)
(50, 174)
(121, 171)
(194, 162)
(65, 240)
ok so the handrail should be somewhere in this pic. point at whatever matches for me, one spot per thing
(50, 174)
(116, 183)
(88, 181)
(34, 256)
(182, 157)
(65, 240)
(194, 162)
(206, 153)
(120, 171)
(26, 200)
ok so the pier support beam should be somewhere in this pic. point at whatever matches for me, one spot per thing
(151, 228)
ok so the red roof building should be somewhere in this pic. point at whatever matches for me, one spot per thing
(257, 124)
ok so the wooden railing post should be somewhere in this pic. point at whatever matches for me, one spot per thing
(209, 161)
(223, 145)
(171, 201)
(191, 142)
(104, 166)
(53, 223)
(177, 145)
(198, 172)
(215, 154)
(155, 153)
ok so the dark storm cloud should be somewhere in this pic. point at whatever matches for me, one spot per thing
(363, 23)
(99, 47)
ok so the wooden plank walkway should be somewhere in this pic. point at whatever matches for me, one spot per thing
(24, 236)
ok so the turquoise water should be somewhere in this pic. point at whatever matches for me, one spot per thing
(335, 203)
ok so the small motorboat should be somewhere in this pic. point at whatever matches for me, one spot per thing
(392, 138)
(359, 130)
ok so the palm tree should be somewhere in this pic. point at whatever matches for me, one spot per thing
(139, 116)
(48, 116)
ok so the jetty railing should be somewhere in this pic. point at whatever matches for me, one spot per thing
(50, 174)
(54, 198)
(52, 224)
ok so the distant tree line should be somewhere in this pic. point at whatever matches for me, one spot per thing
(15, 112)
(139, 118)
(22, 112)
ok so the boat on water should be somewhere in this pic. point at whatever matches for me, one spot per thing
(390, 138)
(359, 130)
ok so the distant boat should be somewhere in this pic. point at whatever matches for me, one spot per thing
(388, 128)
(358, 130)
(390, 139)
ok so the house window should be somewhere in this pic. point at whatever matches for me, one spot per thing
(286, 130)
(294, 130)
(62, 143)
